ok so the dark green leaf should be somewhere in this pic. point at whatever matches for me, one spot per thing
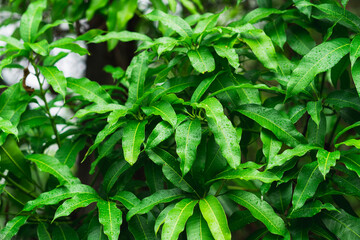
(128, 199)
(161, 132)
(68, 152)
(12, 227)
(311, 209)
(300, 40)
(64, 232)
(111, 218)
(114, 172)
(326, 160)
(133, 138)
(343, 225)
(314, 109)
(42, 231)
(141, 229)
(271, 145)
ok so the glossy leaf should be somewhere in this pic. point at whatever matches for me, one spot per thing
(355, 63)
(326, 160)
(161, 132)
(246, 174)
(123, 36)
(229, 53)
(30, 20)
(276, 31)
(224, 132)
(68, 152)
(314, 109)
(260, 210)
(203, 86)
(110, 217)
(133, 138)
(197, 228)
(114, 172)
(352, 162)
(161, 218)
(343, 99)
(271, 145)
(141, 229)
(42, 232)
(300, 40)
(202, 60)
(311, 209)
(163, 109)
(12, 227)
(342, 224)
(55, 78)
(214, 214)
(350, 143)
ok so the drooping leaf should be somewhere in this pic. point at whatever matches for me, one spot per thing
(352, 162)
(272, 120)
(224, 132)
(307, 182)
(259, 209)
(343, 99)
(311, 209)
(133, 138)
(12, 227)
(163, 109)
(276, 31)
(162, 196)
(176, 219)
(214, 214)
(30, 20)
(111, 218)
(271, 145)
(161, 132)
(300, 40)
(342, 224)
(319, 59)
(114, 172)
(197, 228)
(202, 60)
(128, 199)
(187, 137)
(326, 160)
(314, 109)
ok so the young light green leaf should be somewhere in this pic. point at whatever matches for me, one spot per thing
(12, 41)
(52, 165)
(100, 109)
(69, 44)
(300, 40)
(326, 160)
(176, 219)
(343, 225)
(114, 172)
(68, 152)
(314, 109)
(319, 59)
(202, 59)
(307, 182)
(174, 22)
(133, 138)
(247, 175)
(224, 132)
(42, 231)
(258, 14)
(197, 228)
(260, 209)
(162, 196)
(187, 137)
(123, 36)
(78, 201)
(271, 145)
(163, 109)
(162, 216)
(262, 47)
(272, 120)
(311, 209)
(111, 218)
(12, 227)
(30, 20)
(41, 48)
(215, 217)
(7, 127)
(89, 90)
(161, 132)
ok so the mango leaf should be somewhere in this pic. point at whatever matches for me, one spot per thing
(123, 36)
(161, 132)
(141, 228)
(207, 23)
(12, 41)
(319, 59)
(349, 185)
(99, 109)
(247, 175)
(133, 138)
(259, 14)
(89, 90)
(280, 196)
(174, 22)
(12, 227)
(311, 209)
(41, 48)
(314, 109)
(113, 173)
(163, 109)
(215, 217)
(203, 86)
(161, 218)
(215, 161)
(137, 77)
(240, 219)
(271, 145)
(78, 201)
(300, 40)
(111, 218)
(7, 127)
(260, 209)
(52, 165)
(30, 20)
(355, 63)
(162, 196)
(326, 160)
(202, 60)
(343, 99)
(68, 152)
(152, 173)
(351, 143)
(197, 228)
(95, 230)
(276, 31)
(64, 232)
(223, 50)
(272, 120)
(48, 26)
(69, 44)
(176, 218)
(128, 199)
(224, 132)
(342, 224)
(187, 137)
(352, 162)
(307, 182)
(42, 231)
(262, 47)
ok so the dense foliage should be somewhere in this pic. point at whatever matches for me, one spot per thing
(218, 129)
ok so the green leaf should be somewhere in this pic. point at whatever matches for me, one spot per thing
(355, 63)
(215, 161)
(203, 86)
(123, 36)
(53, 166)
(272, 120)
(280, 196)
(89, 90)
(42, 231)
(162, 196)
(12, 41)
(95, 5)
(215, 217)
(12, 227)
(223, 50)
(271, 145)
(161, 132)
(161, 217)
(141, 228)
(95, 230)
(68, 43)
(69, 151)
(350, 142)
(48, 26)
(259, 14)
(55, 78)
(64, 232)
(41, 48)
(31, 19)
(202, 60)
(111, 218)
(247, 175)
(176, 219)
(342, 224)
(152, 173)
(197, 228)
(114, 172)
(276, 31)
(223, 130)
(300, 40)
(349, 185)
(78, 201)
(319, 59)
(262, 47)
(163, 109)
(311, 209)
(326, 160)
(99, 109)
(174, 22)
(343, 99)
(314, 109)
(139, 68)
(187, 137)
(352, 162)
(240, 219)
(7, 127)
(307, 182)
(207, 23)
(133, 138)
